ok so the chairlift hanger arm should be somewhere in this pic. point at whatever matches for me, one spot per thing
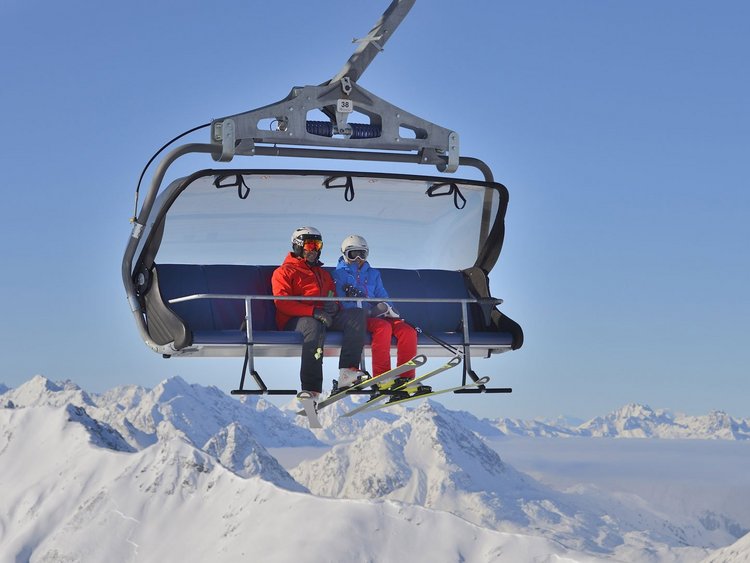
(338, 99)
(370, 46)
(368, 49)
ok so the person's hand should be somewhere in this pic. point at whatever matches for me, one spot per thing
(352, 291)
(320, 314)
(331, 307)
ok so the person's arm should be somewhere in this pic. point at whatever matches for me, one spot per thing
(339, 280)
(331, 307)
(384, 308)
(380, 291)
(281, 285)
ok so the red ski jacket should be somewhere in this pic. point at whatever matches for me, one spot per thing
(296, 277)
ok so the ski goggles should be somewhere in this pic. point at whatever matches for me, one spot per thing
(356, 254)
(312, 244)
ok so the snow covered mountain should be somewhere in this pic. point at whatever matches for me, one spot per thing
(237, 449)
(738, 552)
(41, 391)
(196, 412)
(85, 475)
(631, 421)
(635, 421)
(76, 490)
(236, 433)
(428, 457)
(336, 427)
(639, 421)
(535, 428)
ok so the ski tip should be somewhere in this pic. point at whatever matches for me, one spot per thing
(316, 424)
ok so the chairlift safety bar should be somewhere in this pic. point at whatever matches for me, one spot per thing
(359, 300)
(249, 359)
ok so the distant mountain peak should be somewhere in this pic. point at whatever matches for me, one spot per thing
(40, 390)
(173, 387)
(424, 453)
(635, 410)
(453, 439)
(175, 407)
(237, 449)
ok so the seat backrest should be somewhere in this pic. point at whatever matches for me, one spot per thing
(229, 314)
(435, 284)
(178, 280)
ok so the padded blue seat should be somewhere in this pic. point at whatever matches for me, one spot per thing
(217, 323)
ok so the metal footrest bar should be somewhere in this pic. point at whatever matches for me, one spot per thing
(481, 389)
(263, 391)
(262, 388)
(486, 390)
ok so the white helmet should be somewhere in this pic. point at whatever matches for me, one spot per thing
(353, 247)
(301, 235)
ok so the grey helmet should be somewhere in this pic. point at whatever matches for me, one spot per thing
(353, 247)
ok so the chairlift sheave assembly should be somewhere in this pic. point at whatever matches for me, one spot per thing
(198, 263)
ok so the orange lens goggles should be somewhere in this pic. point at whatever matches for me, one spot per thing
(312, 245)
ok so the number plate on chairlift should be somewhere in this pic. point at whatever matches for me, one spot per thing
(344, 105)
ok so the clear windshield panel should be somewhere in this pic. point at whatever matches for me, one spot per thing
(249, 219)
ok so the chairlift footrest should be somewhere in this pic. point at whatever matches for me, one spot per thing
(263, 392)
(486, 390)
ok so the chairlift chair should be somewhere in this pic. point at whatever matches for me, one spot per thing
(197, 265)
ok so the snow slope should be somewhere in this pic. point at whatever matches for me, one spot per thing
(738, 552)
(73, 491)
(86, 476)
(429, 458)
(198, 413)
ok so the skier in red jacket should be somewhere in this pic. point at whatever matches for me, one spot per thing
(302, 274)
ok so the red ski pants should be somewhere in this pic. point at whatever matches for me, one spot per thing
(406, 337)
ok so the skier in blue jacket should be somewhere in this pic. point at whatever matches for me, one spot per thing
(354, 277)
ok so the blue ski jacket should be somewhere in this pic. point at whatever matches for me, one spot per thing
(365, 279)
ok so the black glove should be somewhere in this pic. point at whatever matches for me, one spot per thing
(321, 315)
(331, 307)
(352, 291)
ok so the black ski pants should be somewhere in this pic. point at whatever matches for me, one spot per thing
(351, 322)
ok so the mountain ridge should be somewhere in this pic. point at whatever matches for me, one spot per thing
(182, 441)
(67, 497)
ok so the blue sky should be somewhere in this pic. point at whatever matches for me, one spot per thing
(621, 129)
